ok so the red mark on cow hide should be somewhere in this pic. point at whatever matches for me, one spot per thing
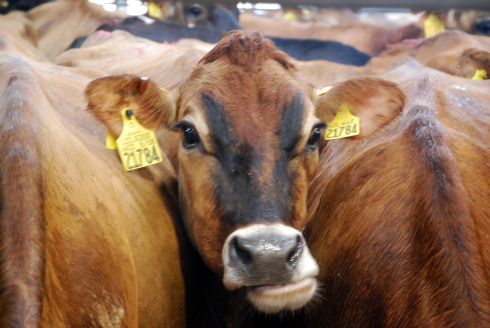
(104, 32)
(140, 52)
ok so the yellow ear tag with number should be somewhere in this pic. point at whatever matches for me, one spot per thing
(154, 11)
(110, 142)
(138, 147)
(343, 125)
(433, 26)
(480, 74)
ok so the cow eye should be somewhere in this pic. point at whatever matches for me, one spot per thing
(315, 134)
(189, 136)
(195, 10)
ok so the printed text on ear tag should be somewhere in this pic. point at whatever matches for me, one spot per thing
(343, 125)
(154, 11)
(138, 147)
(110, 141)
(433, 26)
(480, 74)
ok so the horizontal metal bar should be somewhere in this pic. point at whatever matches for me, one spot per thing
(412, 4)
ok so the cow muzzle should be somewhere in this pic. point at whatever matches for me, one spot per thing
(273, 263)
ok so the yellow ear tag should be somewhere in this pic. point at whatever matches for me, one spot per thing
(480, 74)
(164, 90)
(433, 26)
(138, 147)
(154, 11)
(110, 141)
(323, 91)
(291, 16)
(343, 125)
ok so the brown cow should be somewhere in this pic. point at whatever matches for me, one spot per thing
(120, 52)
(60, 22)
(248, 150)
(440, 52)
(18, 36)
(325, 73)
(83, 243)
(400, 222)
(403, 215)
(399, 218)
(365, 37)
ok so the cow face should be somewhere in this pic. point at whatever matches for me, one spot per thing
(249, 147)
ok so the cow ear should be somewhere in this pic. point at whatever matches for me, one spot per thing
(473, 61)
(374, 100)
(152, 106)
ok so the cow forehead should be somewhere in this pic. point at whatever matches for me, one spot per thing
(252, 101)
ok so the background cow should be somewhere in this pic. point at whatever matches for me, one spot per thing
(82, 242)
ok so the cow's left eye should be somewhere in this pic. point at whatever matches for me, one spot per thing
(314, 136)
(190, 136)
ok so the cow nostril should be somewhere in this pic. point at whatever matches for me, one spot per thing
(295, 254)
(243, 255)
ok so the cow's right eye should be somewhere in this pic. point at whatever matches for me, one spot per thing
(189, 136)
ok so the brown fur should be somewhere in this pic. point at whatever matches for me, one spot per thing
(472, 59)
(399, 221)
(365, 37)
(59, 23)
(439, 52)
(83, 243)
(122, 53)
(18, 36)
(246, 50)
(22, 223)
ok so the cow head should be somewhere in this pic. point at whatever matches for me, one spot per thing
(249, 147)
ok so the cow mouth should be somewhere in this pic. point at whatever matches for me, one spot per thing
(276, 298)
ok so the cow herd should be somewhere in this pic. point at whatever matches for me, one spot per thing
(156, 174)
